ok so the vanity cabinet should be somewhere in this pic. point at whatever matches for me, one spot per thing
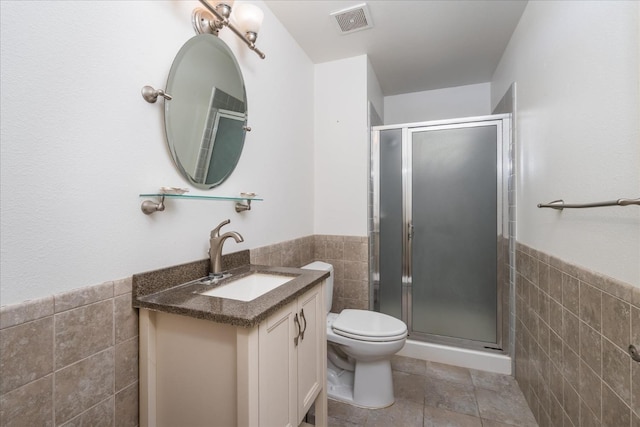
(196, 372)
(291, 343)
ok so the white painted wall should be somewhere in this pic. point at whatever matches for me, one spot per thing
(341, 151)
(576, 66)
(374, 91)
(449, 103)
(79, 144)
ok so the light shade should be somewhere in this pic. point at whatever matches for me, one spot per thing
(248, 17)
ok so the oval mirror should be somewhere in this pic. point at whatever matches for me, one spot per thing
(205, 121)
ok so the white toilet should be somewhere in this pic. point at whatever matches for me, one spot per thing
(360, 344)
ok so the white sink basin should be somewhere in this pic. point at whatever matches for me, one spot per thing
(249, 287)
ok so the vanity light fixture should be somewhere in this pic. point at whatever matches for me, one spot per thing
(247, 16)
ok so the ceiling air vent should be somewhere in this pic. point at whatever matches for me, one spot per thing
(353, 19)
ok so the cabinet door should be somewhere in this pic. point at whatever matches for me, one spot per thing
(311, 349)
(277, 369)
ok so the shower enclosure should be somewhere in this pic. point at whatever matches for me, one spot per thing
(440, 228)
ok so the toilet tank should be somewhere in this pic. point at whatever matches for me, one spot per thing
(328, 290)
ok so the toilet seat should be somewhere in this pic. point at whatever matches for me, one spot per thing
(364, 325)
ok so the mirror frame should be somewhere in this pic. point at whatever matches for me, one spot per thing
(191, 118)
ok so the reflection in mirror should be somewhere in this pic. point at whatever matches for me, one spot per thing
(206, 120)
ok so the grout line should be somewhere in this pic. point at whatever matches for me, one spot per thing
(601, 360)
(53, 368)
(113, 343)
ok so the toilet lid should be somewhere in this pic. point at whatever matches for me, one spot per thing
(369, 326)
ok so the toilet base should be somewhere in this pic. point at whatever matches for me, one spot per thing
(375, 384)
(340, 388)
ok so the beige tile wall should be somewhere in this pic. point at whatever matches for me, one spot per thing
(573, 331)
(291, 253)
(70, 359)
(347, 254)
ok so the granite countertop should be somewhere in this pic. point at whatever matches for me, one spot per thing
(183, 298)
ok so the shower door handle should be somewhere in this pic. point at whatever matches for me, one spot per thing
(410, 230)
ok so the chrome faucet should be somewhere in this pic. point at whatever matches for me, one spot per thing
(215, 247)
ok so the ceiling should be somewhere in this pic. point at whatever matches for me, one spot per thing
(413, 45)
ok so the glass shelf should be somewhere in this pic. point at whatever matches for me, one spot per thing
(149, 206)
(201, 197)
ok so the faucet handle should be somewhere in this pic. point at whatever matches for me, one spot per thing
(216, 231)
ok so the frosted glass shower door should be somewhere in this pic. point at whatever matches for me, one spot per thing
(391, 241)
(453, 231)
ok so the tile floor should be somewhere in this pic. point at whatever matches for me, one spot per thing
(431, 394)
